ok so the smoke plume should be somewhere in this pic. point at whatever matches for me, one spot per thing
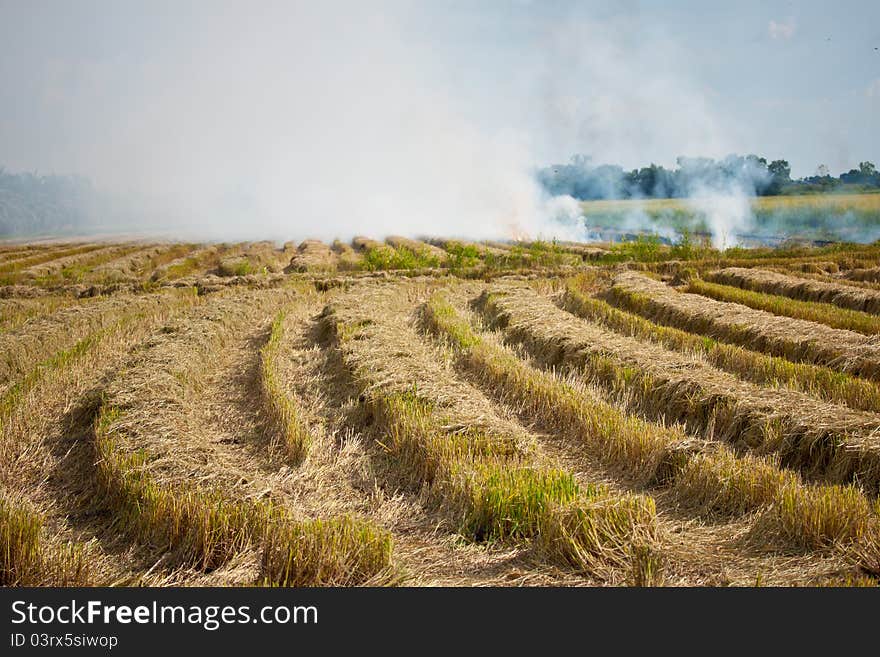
(303, 119)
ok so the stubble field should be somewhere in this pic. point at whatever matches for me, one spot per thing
(402, 412)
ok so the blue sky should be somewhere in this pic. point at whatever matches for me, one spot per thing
(277, 106)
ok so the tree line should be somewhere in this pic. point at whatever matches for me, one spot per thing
(31, 203)
(750, 174)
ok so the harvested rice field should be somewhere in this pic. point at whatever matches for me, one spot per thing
(437, 412)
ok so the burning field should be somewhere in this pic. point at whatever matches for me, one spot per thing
(438, 412)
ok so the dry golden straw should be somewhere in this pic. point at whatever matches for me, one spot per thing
(795, 339)
(820, 439)
(770, 282)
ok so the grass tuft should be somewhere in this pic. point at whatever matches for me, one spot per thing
(342, 551)
(283, 410)
(20, 554)
(25, 560)
(384, 257)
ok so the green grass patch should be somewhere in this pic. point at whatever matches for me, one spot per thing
(385, 257)
(25, 559)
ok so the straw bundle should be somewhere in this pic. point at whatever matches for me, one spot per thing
(312, 255)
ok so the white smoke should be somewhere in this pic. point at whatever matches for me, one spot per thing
(297, 120)
(560, 218)
(630, 96)
(332, 119)
(728, 213)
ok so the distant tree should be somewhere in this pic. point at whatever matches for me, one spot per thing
(866, 175)
(32, 203)
(756, 161)
(583, 180)
(779, 172)
(651, 181)
(872, 176)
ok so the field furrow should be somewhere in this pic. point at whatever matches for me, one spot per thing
(759, 280)
(185, 465)
(811, 311)
(854, 256)
(795, 339)
(478, 467)
(41, 451)
(131, 267)
(748, 365)
(346, 468)
(22, 348)
(72, 267)
(14, 254)
(188, 264)
(395, 411)
(11, 272)
(703, 477)
(16, 311)
(829, 273)
(821, 440)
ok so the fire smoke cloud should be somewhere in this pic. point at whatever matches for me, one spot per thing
(294, 119)
(626, 96)
(291, 122)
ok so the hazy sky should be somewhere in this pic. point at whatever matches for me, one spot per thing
(283, 109)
